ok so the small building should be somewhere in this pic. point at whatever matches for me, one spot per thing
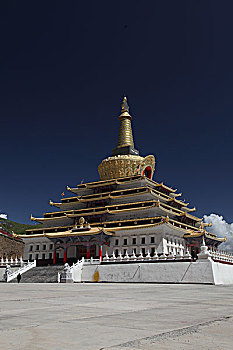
(125, 211)
(11, 246)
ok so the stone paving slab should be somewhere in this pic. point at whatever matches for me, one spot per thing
(115, 316)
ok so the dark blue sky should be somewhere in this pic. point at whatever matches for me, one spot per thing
(64, 66)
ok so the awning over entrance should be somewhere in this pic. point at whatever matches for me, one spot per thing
(79, 242)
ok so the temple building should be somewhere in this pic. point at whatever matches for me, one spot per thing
(125, 212)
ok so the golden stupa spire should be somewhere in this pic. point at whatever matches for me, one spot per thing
(125, 137)
(125, 159)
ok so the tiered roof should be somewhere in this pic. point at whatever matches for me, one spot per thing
(107, 203)
(150, 195)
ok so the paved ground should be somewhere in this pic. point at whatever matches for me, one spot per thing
(115, 317)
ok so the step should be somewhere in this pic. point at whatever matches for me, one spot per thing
(41, 274)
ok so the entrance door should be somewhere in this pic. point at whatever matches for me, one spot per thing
(93, 251)
(81, 252)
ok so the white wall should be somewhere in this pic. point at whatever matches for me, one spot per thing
(204, 272)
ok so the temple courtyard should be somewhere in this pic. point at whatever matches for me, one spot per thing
(115, 316)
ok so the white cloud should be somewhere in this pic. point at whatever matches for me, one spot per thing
(3, 216)
(222, 229)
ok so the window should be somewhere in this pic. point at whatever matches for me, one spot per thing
(116, 241)
(152, 251)
(125, 250)
(57, 255)
(125, 241)
(31, 248)
(152, 240)
(37, 247)
(143, 241)
(50, 255)
(116, 252)
(144, 251)
(51, 246)
(134, 241)
(43, 256)
(37, 256)
(44, 246)
(30, 256)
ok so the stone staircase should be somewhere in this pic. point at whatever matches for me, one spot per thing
(41, 274)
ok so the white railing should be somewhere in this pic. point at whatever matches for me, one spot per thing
(216, 255)
(221, 256)
(73, 272)
(12, 261)
(28, 266)
(148, 257)
(91, 261)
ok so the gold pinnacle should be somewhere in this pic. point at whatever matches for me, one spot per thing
(125, 137)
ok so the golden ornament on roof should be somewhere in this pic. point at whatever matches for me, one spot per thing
(124, 105)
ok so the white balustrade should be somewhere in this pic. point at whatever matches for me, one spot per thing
(106, 257)
(170, 256)
(148, 257)
(220, 255)
(140, 257)
(181, 254)
(133, 256)
(9, 261)
(28, 266)
(126, 257)
(119, 258)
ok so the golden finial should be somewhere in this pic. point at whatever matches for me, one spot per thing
(125, 137)
(202, 226)
(81, 221)
(124, 105)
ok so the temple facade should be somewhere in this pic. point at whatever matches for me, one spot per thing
(126, 212)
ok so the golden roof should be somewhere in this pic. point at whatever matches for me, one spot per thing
(192, 217)
(86, 211)
(161, 184)
(102, 196)
(119, 180)
(183, 204)
(113, 208)
(206, 234)
(70, 233)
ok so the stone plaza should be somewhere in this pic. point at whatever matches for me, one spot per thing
(90, 316)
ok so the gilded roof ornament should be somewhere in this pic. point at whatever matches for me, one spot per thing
(32, 218)
(81, 221)
(202, 227)
(124, 105)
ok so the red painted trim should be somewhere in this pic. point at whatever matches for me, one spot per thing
(54, 257)
(100, 253)
(65, 256)
(88, 252)
(149, 172)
